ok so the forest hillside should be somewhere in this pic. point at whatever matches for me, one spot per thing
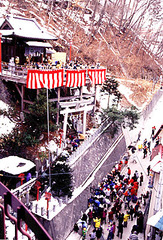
(125, 36)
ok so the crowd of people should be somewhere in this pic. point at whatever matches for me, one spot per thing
(113, 203)
(59, 64)
(146, 145)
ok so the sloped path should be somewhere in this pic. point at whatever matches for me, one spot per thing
(155, 118)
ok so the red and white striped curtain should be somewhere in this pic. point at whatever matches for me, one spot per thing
(45, 79)
(53, 79)
(97, 76)
(75, 78)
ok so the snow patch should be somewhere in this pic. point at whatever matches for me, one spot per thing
(6, 125)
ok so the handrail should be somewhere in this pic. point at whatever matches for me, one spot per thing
(22, 214)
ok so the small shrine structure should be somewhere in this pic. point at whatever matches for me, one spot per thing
(23, 39)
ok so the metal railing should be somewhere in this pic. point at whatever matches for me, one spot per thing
(20, 216)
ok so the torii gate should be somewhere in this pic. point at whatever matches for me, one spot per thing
(78, 106)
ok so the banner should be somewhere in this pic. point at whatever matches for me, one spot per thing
(45, 79)
(97, 76)
(75, 78)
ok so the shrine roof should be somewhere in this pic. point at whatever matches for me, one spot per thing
(15, 165)
(24, 27)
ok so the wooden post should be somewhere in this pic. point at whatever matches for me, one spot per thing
(84, 121)
(15, 44)
(21, 176)
(37, 186)
(81, 93)
(70, 50)
(58, 101)
(22, 98)
(94, 109)
(21, 92)
(47, 197)
(65, 123)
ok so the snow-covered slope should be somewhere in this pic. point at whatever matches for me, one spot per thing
(98, 31)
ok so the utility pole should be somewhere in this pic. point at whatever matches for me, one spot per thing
(70, 50)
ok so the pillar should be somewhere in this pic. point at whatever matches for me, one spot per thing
(22, 98)
(59, 93)
(84, 121)
(65, 124)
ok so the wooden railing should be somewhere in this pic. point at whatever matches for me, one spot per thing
(16, 74)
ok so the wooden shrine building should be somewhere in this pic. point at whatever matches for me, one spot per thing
(23, 39)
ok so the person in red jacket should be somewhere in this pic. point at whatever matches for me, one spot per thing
(133, 192)
(131, 181)
(110, 215)
(129, 171)
(104, 214)
(119, 166)
(90, 216)
(136, 185)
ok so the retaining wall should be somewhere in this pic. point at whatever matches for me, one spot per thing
(152, 104)
(62, 224)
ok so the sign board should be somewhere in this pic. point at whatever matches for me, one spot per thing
(34, 51)
(59, 56)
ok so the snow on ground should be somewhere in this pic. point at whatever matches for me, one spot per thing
(6, 125)
(54, 207)
(145, 126)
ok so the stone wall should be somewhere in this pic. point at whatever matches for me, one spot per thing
(89, 160)
(152, 104)
(61, 225)
(131, 136)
